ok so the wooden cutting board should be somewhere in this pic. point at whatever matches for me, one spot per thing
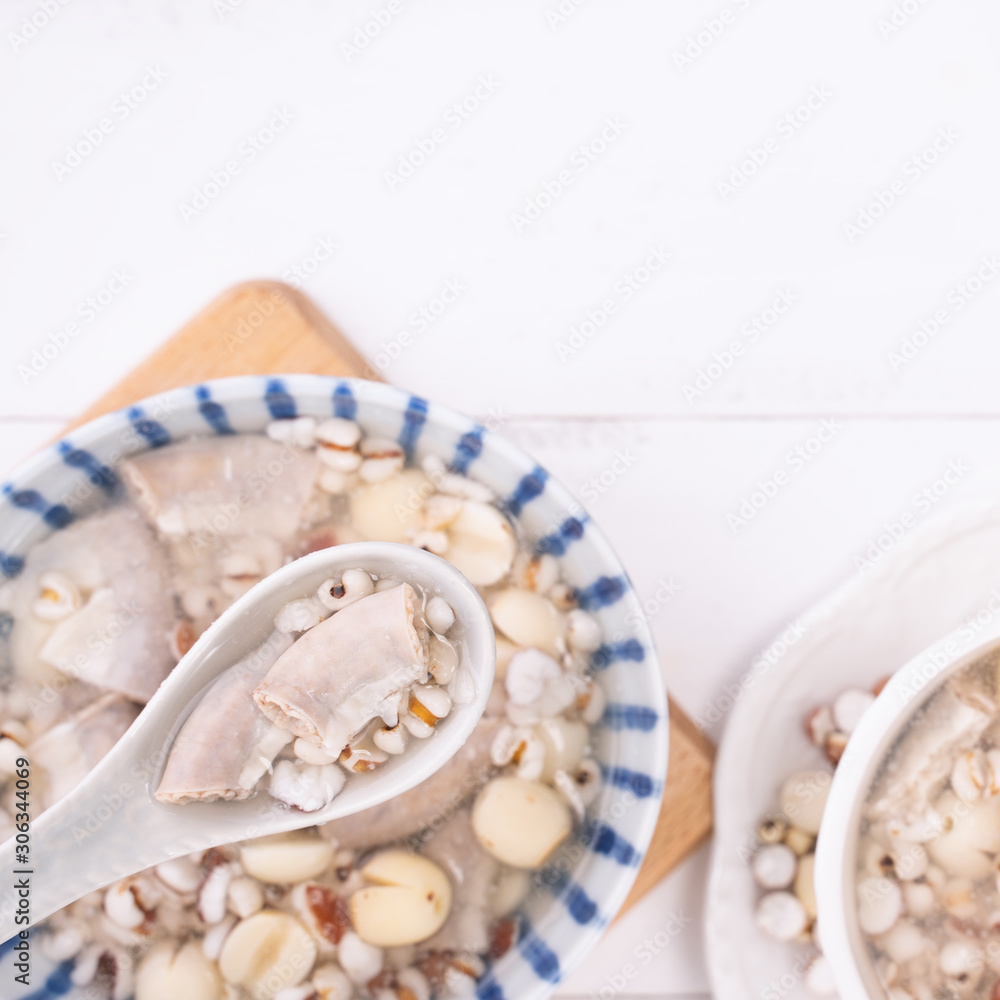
(265, 327)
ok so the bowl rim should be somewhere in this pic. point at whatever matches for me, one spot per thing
(244, 388)
(906, 692)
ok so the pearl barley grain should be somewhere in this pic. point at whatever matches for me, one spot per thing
(969, 776)
(391, 740)
(803, 799)
(880, 902)
(214, 893)
(781, 916)
(181, 874)
(331, 983)
(774, 867)
(339, 433)
(904, 942)
(584, 632)
(121, 906)
(439, 615)
(359, 959)
(919, 899)
(819, 978)
(849, 707)
(353, 585)
(245, 896)
(960, 958)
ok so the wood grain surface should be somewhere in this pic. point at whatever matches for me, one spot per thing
(265, 327)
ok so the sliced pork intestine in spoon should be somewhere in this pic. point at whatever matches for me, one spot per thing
(347, 670)
(226, 745)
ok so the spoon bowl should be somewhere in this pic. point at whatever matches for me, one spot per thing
(111, 826)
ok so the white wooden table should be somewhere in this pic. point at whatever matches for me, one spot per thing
(687, 254)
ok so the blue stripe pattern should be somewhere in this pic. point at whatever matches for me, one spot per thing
(279, 403)
(344, 403)
(214, 413)
(615, 652)
(580, 906)
(489, 989)
(602, 593)
(630, 717)
(542, 959)
(57, 984)
(149, 429)
(413, 423)
(8, 946)
(56, 516)
(556, 543)
(602, 839)
(98, 473)
(10, 564)
(639, 784)
(527, 489)
(468, 449)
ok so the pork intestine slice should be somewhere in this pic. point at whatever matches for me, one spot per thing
(120, 638)
(226, 745)
(239, 484)
(70, 750)
(922, 761)
(347, 670)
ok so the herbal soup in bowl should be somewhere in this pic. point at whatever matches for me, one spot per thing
(121, 543)
(908, 864)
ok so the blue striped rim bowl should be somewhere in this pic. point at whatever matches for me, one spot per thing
(582, 887)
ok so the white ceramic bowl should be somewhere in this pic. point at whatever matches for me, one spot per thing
(582, 888)
(836, 850)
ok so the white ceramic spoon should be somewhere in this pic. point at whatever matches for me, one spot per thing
(110, 826)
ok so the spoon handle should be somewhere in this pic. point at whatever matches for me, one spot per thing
(91, 837)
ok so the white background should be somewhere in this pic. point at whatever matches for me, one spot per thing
(686, 461)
